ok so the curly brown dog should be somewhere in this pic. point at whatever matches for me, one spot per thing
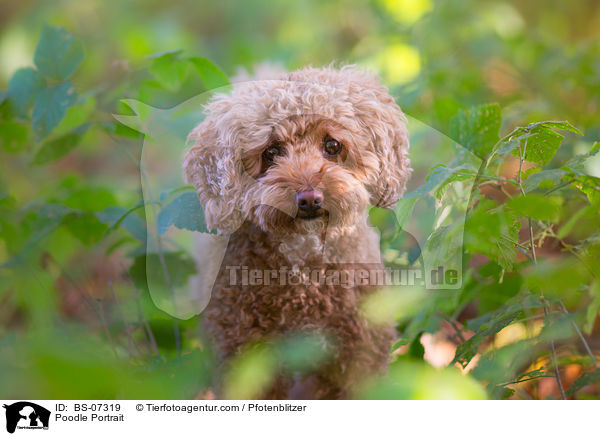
(288, 168)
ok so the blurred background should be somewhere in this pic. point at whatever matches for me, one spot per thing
(76, 319)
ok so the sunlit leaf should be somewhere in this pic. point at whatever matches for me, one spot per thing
(477, 128)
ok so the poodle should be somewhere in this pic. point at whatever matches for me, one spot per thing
(287, 169)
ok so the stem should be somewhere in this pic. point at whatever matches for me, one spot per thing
(556, 373)
(495, 147)
(454, 326)
(531, 242)
(522, 151)
(518, 244)
(556, 188)
(585, 344)
(525, 253)
(519, 181)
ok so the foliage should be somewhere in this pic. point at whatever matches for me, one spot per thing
(77, 319)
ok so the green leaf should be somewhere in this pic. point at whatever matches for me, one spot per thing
(492, 231)
(468, 349)
(59, 147)
(24, 85)
(76, 115)
(521, 302)
(85, 227)
(544, 177)
(537, 206)
(568, 226)
(576, 164)
(590, 186)
(541, 146)
(529, 172)
(477, 128)
(178, 264)
(586, 379)
(58, 53)
(416, 349)
(90, 199)
(442, 175)
(50, 107)
(562, 125)
(493, 295)
(404, 210)
(540, 141)
(184, 212)
(558, 279)
(592, 309)
(170, 70)
(13, 135)
(211, 75)
(49, 218)
(129, 221)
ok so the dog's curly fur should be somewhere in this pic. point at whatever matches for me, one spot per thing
(254, 202)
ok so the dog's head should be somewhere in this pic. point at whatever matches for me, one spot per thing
(315, 147)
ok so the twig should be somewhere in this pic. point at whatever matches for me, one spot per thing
(518, 244)
(525, 253)
(531, 242)
(522, 151)
(557, 187)
(585, 344)
(456, 329)
(555, 363)
(514, 382)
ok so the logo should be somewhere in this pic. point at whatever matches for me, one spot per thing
(26, 415)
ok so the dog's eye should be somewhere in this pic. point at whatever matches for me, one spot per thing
(332, 147)
(271, 153)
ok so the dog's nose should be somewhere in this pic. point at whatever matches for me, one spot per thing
(309, 201)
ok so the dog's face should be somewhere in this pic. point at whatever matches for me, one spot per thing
(298, 154)
(311, 172)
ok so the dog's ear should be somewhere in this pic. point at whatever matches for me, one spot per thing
(212, 167)
(387, 127)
